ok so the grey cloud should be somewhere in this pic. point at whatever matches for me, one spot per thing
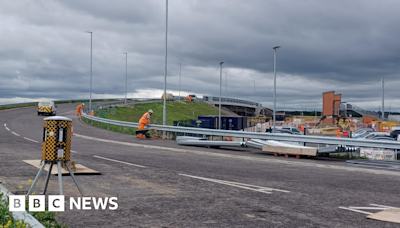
(341, 45)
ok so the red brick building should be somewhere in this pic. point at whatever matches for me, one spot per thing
(330, 105)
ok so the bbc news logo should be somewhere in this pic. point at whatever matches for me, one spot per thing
(57, 203)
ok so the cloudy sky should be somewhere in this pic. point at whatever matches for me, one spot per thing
(345, 46)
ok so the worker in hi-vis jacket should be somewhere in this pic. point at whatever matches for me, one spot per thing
(78, 109)
(144, 121)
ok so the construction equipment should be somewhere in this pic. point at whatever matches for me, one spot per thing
(144, 132)
(341, 121)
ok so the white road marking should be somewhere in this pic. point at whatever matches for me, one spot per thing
(73, 151)
(384, 206)
(66, 112)
(376, 207)
(355, 210)
(31, 140)
(257, 159)
(127, 163)
(5, 125)
(238, 185)
(370, 208)
(7, 128)
(15, 133)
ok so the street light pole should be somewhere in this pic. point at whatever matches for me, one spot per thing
(277, 47)
(126, 75)
(165, 72)
(383, 98)
(226, 84)
(180, 72)
(254, 91)
(91, 48)
(220, 88)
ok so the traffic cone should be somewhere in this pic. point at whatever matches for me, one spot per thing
(72, 129)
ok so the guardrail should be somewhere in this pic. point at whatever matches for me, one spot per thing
(255, 135)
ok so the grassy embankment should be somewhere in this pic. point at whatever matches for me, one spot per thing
(176, 111)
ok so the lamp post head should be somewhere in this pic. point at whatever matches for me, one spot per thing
(88, 32)
(277, 47)
(221, 63)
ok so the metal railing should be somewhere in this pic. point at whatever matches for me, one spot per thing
(255, 135)
(355, 108)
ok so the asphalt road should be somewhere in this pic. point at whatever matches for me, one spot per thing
(192, 186)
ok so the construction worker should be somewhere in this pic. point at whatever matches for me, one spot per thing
(144, 121)
(338, 132)
(92, 113)
(78, 110)
(302, 128)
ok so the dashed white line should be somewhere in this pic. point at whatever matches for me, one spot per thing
(73, 151)
(15, 133)
(31, 140)
(239, 185)
(127, 163)
(377, 205)
(355, 210)
(5, 125)
(7, 128)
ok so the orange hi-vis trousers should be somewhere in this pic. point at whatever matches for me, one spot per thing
(141, 126)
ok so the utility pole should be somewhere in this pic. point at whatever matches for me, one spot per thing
(277, 47)
(165, 72)
(220, 88)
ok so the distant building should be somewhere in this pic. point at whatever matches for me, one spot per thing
(330, 105)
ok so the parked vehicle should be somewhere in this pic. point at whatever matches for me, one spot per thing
(394, 133)
(170, 96)
(194, 97)
(46, 107)
(384, 138)
(281, 131)
(362, 129)
(371, 135)
(293, 130)
(364, 132)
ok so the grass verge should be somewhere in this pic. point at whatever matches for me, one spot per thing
(176, 111)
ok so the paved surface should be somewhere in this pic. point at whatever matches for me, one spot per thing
(187, 186)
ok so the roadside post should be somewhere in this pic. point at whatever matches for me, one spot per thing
(56, 149)
(305, 133)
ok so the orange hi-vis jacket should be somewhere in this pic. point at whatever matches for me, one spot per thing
(79, 108)
(145, 118)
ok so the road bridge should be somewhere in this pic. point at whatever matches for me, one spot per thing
(345, 108)
(238, 106)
